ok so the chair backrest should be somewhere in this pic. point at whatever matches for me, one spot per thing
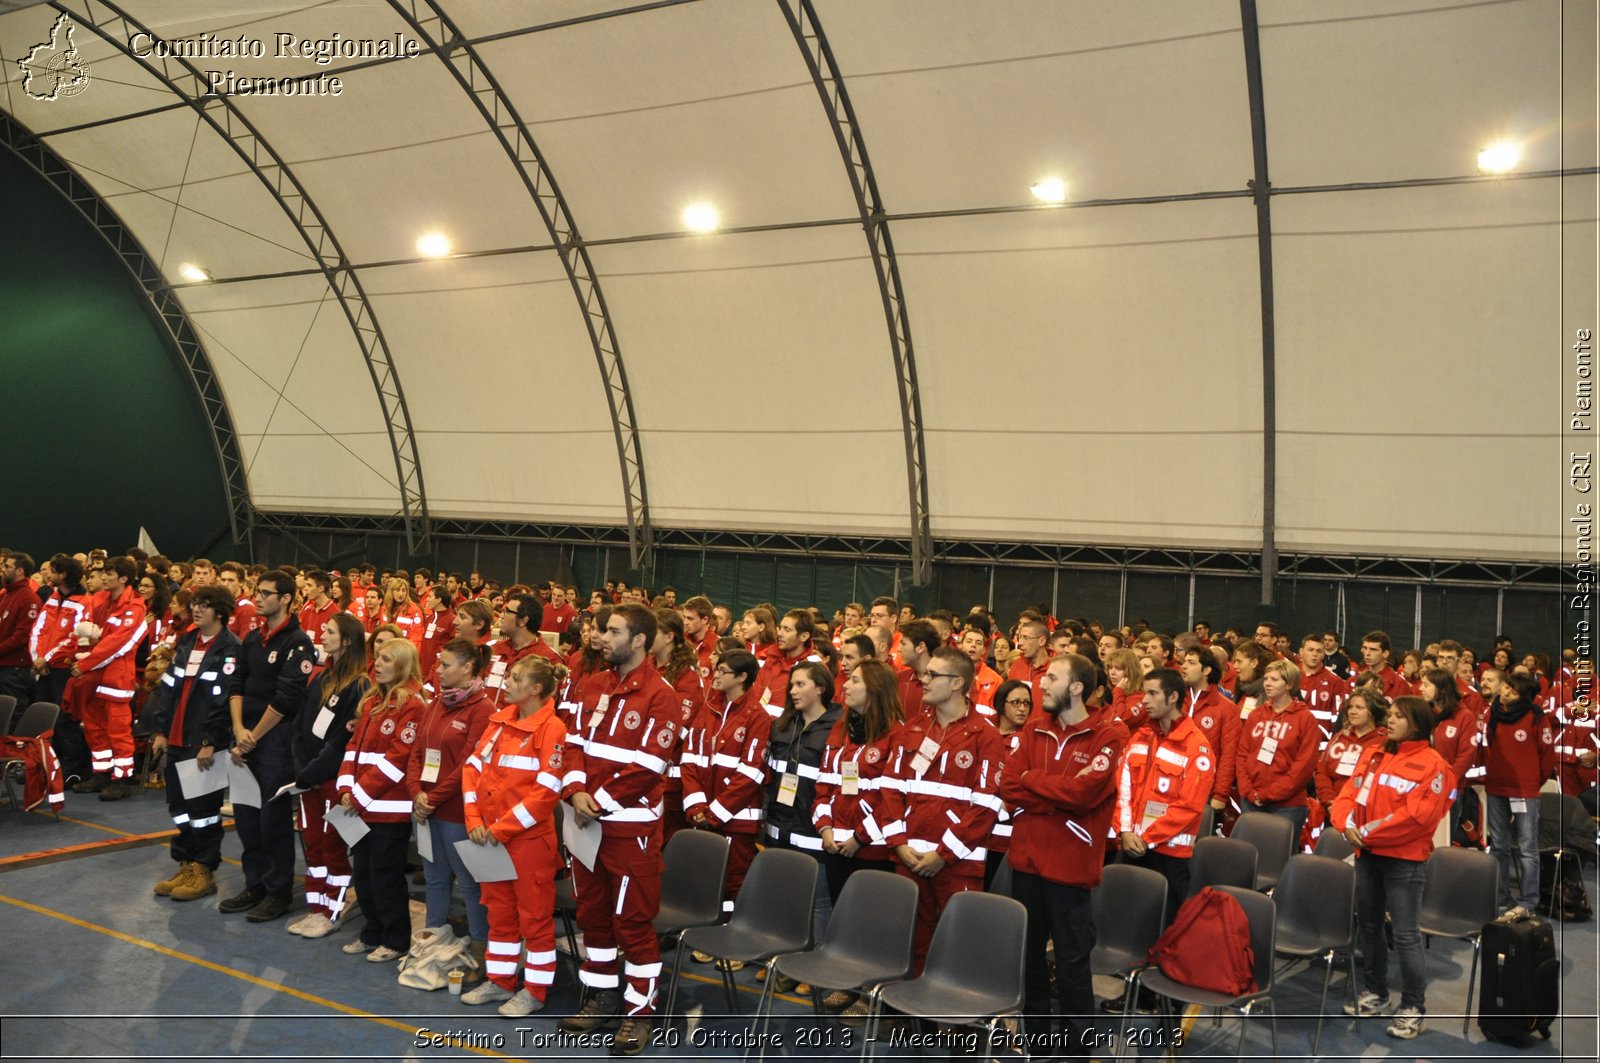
(1129, 909)
(1316, 898)
(1460, 884)
(875, 918)
(1002, 879)
(776, 898)
(36, 720)
(695, 874)
(8, 712)
(1333, 844)
(980, 941)
(1262, 913)
(1222, 862)
(1273, 837)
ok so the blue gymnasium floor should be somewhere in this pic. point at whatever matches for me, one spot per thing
(115, 973)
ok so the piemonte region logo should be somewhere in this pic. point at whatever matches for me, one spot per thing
(53, 70)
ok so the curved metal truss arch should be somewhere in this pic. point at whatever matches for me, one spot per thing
(230, 461)
(429, 21)
(184, 80)
(807, 29)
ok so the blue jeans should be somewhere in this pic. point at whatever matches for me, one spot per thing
(437, 874)
(1387, 883)
(1521, 829)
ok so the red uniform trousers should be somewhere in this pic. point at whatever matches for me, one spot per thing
(617, 902)
(522, 913)
(327, 859)
(108, 729)
(741, 852)
(932, 895)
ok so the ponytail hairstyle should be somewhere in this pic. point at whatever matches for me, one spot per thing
(546, 674)
(683, 657)
(476, 656)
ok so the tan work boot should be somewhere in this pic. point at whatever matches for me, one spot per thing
(165, 887)
(599, 1012)
(200, 884)
(479, 953)
(634, 1035)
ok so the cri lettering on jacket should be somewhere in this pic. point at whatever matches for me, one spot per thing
(1278, 729)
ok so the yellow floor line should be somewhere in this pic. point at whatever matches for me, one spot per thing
(309, 998)
(122, 833)
(755, 989)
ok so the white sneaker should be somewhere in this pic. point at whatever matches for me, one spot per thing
(357, 947)
(1406, 1024)
(1367, 1005)
(486, 992)
(523, 1004)
(297, 926)
(383, 954)
(1514, 914)
(318, 926)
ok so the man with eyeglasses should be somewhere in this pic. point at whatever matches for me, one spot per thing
(1033, 658)
(267, 688)
(940, 793)
(519, 637)
(1061, 786)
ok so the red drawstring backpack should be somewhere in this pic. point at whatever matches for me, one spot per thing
(1208, 945)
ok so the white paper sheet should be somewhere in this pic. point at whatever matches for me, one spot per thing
(242, 786)
(582, 843)
(424, 839)
(289, 788)
(196, 783)
(486, 863)
(349, 824)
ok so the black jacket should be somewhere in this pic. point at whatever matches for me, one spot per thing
(798, 749)
(206, 720)
(274, 672)
(316, 760)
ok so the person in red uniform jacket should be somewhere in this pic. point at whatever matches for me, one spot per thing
(519, 638)
(1448, 657)
(1389, 810)
(438, 628)
(231, 575)
(1577, 749)
(450, 730)
(795, 632)
(1127, 688)
(19, 609)
(919, 641)
(372, 782)
(398, 609)
(1277, 751)
(106, 672)
(940, 793)
(1518, 755)
(680, 666)
(559, 614)
(1215, 715)
(1320, 689)
(975, 644)
(1016, 705)
(724, 781)
(1455, 733)
(1377, 657)
(1344, 750)
(510, 787)
(848, 807)
(320, 606)
(51, 645)
(614, 775)
(700, 628)
(1061, 784)
(1033, 657)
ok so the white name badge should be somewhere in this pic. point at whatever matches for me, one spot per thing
(766, 695)
(1153, 810)
(923, 758)
(1519, 805)
(319, 726)
(850, 778)
(431, 759)
(1246, 707)
(1268, 750)
(599, 711)
(1347, 760)
(787, 786)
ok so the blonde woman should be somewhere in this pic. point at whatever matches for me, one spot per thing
(398, 609)
(372, 781)
(1126, 677)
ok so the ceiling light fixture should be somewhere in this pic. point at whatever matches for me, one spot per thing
(1050, 190)
(1500, 157)
(191, 272)
(701, 218)
(433, 245)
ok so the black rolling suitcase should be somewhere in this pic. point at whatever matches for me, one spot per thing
(1519, 982)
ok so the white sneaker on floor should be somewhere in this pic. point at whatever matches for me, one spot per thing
(1406, 1024)
(486, 993)
(357, 947)
(318, 926)
(1367, 1005)
(521, 1005)
(383, 954)
(298, 926)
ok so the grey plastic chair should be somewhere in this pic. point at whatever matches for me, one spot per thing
(1273, 837)
(693, 881)
(1316, 900)
(1222, 862)
(37, 719)
(771, 915)
(868, 943)
(1129, 909)
(1458, 897)
(1262, 913)
(973, 971)
(1333, 844)
(8, 713)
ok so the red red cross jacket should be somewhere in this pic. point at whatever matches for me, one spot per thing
(772, 682)
(618, 754)
(858, 813)
(512, 782)
(1457, 741)
(409, 621)
(1128, 707)
(725, 775)
(122, 625)
(1338, 761)
(19, 609)
(1324, 692)
(1518, 757)
(1218, 717)
(51, 639)
(941, 789)
(374, 769)
(691, 721)
(312, 617)
(504, 656)
(1277, 754)
(1395, 800)
(1062, 789)
(1030, 674)
(1575, 738)
(1163, 786)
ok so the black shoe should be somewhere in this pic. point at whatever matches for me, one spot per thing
(1143, 1004)
(243, 902)
(267, 909)
(92, 785)
(115, 790)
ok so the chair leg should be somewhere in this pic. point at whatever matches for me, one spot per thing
(1472, 981)
(728, 987)
(1322, 1005)
(672, 990)
(763, 1019)
(869, 1030)
(1272, 1014)
(1244, 1025)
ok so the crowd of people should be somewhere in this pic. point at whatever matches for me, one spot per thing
(933, 745)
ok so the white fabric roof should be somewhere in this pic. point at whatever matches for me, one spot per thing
(1087, 375)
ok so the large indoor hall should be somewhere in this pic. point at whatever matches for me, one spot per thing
(799, 529)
